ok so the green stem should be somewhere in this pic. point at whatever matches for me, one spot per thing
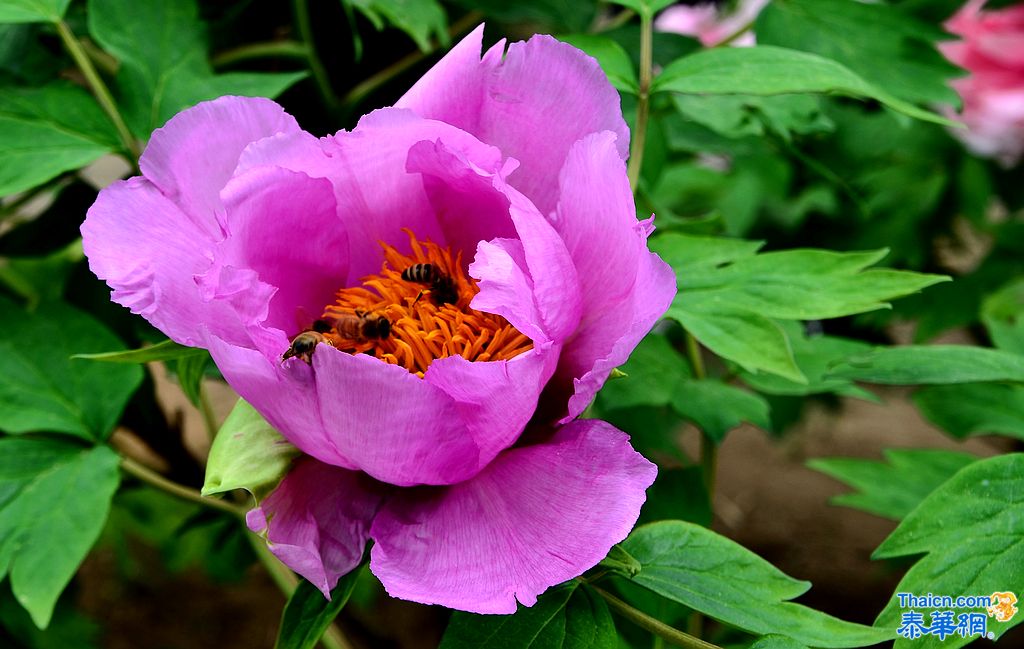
(615, 22)
(636, 149)
(736, 34)
(696, 360)
(209, 418)
(272, 49)
(708, 447)
(286, 581)
(316, 66)
(99, 89)
(367, 86)
(151, 477)
(657, 627)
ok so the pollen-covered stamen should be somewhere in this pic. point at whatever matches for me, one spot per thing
(429, 319)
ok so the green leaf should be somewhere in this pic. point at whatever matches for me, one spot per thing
(30, 11)
(645, 8)
(767, 70)
(974, 408)
(717, 408)
(613, 59)
(164, 68)
(41, 278)
(308, 613)
(720, 578)
(748, 339)
(969, 531)
(1002, 313)
(653, 374)
(565, 617)
(737, 116)
(814, 355)
(877, 41)
(54, 499)
(420, 19)
(246, 454)
(893, 488)
(43, 389)
(678, 494)
(777, 642)
(68, 628)
(190, 371)
(932, 364)
(46, 131)
(167, 350)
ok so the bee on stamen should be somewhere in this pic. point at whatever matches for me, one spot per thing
(363, 326)
(441, 287)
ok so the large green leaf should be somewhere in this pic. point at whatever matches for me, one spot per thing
(932, 364)
(894, 487)
(246, 454)
(54, 499)
(969, 531)
(1003, 316)
(43, 389)
(728, 294)
(164, 67)
(565, 617)
(720, 578)
(41, 278)
(653, 373)
(420, 19)
(737, 116)
(31, 11)
(877, 41)
(308, 613)
(974, 408)
(716, 408)
(46, 131)
(768, 70)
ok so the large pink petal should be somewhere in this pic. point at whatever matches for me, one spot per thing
(318, 519)
(284, 393)
(533, 105)
(286, 246)
(474, 205)
(496, 399)
(625, 287)
(533, 518)
(149, 251)
(194, 154)
(393, 425)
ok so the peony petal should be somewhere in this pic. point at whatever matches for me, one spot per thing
(625, 287)
(496, 399)
(533, 105)
(148, 251)
(393, 425)
(194, 154)
(506, 288)
(317, 521)
(285, 232)
(284, 393)
(533, 518)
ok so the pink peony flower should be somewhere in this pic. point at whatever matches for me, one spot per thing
(992, 51)
(507, 176)
(709, 24)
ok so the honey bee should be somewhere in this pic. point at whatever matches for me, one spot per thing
(363, 326)
(305, 344)
(442, 287)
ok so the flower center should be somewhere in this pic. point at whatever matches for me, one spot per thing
(417, 310)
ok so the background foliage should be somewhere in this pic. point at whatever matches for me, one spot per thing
(808, 194)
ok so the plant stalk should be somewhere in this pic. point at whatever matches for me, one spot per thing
(281, 49)
(99, 89)
(151, 477)
(636, 149)
(670, 634)
(316, 66)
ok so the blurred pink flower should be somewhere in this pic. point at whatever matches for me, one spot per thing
(506, 173)
(992, 51)
(709, 24)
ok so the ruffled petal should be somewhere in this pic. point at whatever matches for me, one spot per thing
(533, 105)
(533, 518)
(148, 251)
(625, 287)
(393, 425)
(284, 393)
(496, 399)
(286, 253)
(194, 154)
(317, 521)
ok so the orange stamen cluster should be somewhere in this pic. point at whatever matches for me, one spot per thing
(422, 330)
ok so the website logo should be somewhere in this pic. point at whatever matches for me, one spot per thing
(937, 615)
